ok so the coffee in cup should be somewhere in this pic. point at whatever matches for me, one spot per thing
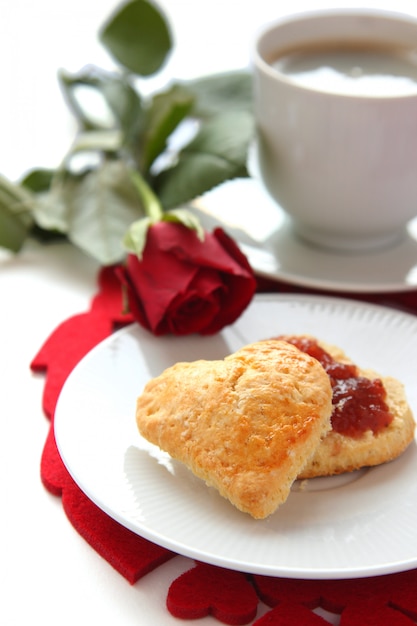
(336, 113)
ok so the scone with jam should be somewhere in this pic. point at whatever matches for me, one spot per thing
(247, 424)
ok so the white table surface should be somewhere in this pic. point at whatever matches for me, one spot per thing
(49, 574)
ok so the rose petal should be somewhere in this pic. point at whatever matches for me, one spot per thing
(156, 280)
(185, 245)
(193, 311)
(178, 269)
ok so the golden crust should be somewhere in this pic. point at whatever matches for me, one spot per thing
(246, 425)
(338, 453)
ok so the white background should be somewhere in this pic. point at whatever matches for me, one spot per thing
(49, 574)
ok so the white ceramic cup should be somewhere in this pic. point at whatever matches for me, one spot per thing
(342, 167)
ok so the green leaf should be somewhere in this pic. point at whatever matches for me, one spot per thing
(218, 153)
(138, 37)
(124, 101)
(135, 237)
(86, 101)
(13, 196)
(15, 215)
(165, 113)
(47, 207)
(94, 210)
(98, 140)
(13, 231)
(38, 180)
(105, 206)
(52, 209)
(221, 92)
(95, 90)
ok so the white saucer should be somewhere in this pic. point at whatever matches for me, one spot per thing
(337, 527)
(274, 251)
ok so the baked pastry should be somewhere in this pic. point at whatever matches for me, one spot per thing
(247, 425)
(374, 430)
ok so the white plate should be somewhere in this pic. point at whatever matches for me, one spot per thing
(258, 224)
(352, 526)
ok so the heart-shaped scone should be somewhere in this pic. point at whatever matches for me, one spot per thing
(247, 424)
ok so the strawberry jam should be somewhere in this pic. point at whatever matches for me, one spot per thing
(358, 402)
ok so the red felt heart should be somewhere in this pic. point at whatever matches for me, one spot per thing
(109, 300)
(389, 599)
(373, 613)
(128, 553)
(207, 590)
(64, 348)
(131, 555)
(274, 591)
(204, 590)
(288, 614)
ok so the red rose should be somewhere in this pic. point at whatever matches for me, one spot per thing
(183, 285)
